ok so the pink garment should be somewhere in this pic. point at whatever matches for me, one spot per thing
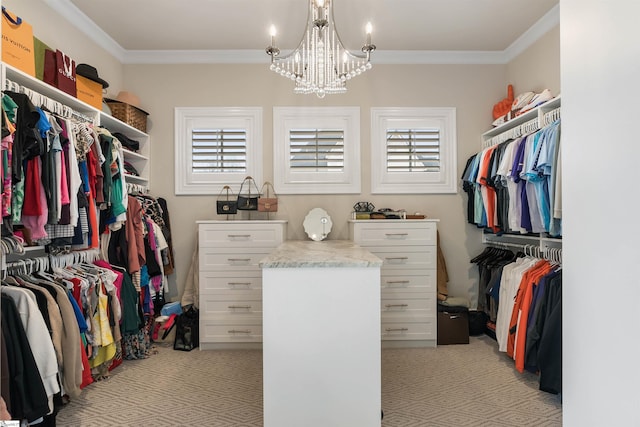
(118, 282)
(36, 223)
(31, 205)
(7, 148)
(64, 189)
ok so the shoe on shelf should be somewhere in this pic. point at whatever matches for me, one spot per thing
(538, 99)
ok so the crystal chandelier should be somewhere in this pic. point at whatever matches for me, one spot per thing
(320, 64)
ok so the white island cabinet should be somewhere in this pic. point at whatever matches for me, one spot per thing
(321, 335)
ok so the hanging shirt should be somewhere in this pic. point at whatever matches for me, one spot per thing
(38, 337)
(35, 211)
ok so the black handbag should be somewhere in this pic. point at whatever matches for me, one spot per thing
(248, 201)
(226, 206)
(187, 330)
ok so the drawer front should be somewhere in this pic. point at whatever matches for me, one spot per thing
(401, 331)
(398, 234)
(406, 257)
(242, 304)
(410, 280)
(222, 281)
(212, 331)
(232, 259)
(407, 305)
(240, 235)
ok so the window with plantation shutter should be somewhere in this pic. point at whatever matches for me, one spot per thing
(216, 146)
(413, 150)
(218, 150)
(316, 150)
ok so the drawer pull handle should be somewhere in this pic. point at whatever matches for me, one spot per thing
(397, 329)
(240, 331)
(246, 307)
(239, 283)
(238, 259)
(397, 282)
(238, 236)
(398, 258)
(396, 305)
(396, 234)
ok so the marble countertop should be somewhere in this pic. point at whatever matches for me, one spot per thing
(323, 254)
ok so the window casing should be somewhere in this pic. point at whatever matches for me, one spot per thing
(216, 146)
(413, 150)
(316, 150)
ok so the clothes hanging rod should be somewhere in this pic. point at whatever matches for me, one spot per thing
(49, 104)
(45, 262)
(136, 188)
(525, 128)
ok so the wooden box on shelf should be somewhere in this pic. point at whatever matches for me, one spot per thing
(129, 115)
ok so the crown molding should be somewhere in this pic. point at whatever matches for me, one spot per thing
(67, 9)
(549, 21)
(260, 57)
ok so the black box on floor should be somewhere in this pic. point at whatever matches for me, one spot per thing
(453, 325)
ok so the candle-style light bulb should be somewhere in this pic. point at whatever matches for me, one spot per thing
(368, 30)
(320, 9)
(272, 32)
(345, 58)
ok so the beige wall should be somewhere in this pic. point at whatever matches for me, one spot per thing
(472, 89)
(538, 67)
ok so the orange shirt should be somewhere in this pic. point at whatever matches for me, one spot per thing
(488, 193)
(519, 316)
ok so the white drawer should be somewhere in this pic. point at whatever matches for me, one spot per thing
(212, 331)
(394, 234)
(241, 305)
(220, 281)
(424, 330)
(240, 235)
(407, 305)
(411, 280)
(406, 257)
(231, 259)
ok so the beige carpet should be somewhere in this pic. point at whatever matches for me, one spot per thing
(461, 385)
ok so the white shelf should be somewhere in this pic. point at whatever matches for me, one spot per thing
(515, 126)
(136, 179)
(134, 156)
(49, 91)
(115, 125)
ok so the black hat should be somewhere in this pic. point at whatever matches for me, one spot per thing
(91, 73)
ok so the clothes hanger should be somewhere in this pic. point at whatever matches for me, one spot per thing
(482, 255)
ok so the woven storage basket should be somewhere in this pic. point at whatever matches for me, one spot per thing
(129, 114)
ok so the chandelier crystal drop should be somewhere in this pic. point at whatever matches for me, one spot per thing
(320, 64)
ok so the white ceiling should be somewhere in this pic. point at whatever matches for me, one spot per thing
(132, 28)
